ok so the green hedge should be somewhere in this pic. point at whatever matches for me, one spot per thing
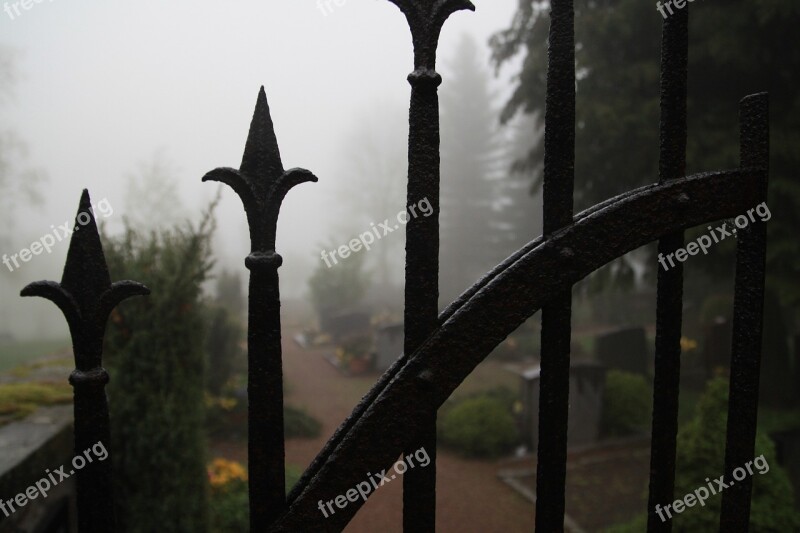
(299, 424)
(229, 500)
(701, 454)
(480, 426)
(627, 404)
(156, 357)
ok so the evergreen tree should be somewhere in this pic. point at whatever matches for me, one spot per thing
(470, 202)
(736, 48)
(521, 205)
(373, 186)
(155, 352)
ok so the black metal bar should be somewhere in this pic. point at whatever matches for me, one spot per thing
(262, 183)
(422, 282)
(748, 310)
(669, 299)
(473, 326)
(425, 19)
(559, 177)
(86, 296)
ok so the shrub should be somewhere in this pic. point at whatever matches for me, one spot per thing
(227, 418)
(479, 426)
(222, 347)
(338, 288)
(229, 500)
(293, 474)
(229, 293)
(700, 455)
(156, 357)
(627, 403)
(299, 424)
(701, 445)
(18, 400)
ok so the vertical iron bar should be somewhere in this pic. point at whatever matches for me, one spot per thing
(748, 308)
(425, 20)
(86, 297)
(265, 445)
(95, 500)
(559, 175)
(669, 299)
(422, 280)
(262, 183)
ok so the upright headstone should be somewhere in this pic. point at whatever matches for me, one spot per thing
(587, 382)
(388, 346)
(717, 347)
(624, 349)
(787, 448)
(347, 325)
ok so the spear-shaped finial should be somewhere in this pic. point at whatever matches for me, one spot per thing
(86, 296)
(426, 18)
(262, 183)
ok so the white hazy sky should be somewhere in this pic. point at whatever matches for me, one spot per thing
(105, 85)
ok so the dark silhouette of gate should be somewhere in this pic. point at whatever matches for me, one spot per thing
(399, 413)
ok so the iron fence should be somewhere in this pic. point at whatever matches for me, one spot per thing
(399, 413)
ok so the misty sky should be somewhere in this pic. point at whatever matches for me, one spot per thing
(103, 86)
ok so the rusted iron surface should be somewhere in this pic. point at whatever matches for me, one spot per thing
(86, 296)
(384, 423)
(748, 312)
(557, 203)
(425, 19)
(262, 183)
(669, 292)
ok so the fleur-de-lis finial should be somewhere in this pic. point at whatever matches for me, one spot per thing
(86, 295)
(261, 181)
(426, 18)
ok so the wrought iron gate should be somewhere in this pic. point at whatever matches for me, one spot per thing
(399, 413)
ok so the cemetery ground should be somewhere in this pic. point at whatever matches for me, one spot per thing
(606, 484)
(606, 481)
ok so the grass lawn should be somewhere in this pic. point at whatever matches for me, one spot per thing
(12, 355)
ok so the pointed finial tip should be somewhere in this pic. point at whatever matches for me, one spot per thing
(85, 198)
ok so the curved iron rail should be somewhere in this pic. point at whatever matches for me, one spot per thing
(384, 423)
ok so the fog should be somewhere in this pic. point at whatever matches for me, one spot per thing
(102, 91)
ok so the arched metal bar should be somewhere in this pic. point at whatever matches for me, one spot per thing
(457, 304)
(507, 297)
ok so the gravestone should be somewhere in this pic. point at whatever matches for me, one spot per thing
(349, 324)
(717, 347)
(787, 449)
(388, 346)
(624, 349)
(587, 382)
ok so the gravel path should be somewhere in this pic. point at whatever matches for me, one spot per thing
(470, 498)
